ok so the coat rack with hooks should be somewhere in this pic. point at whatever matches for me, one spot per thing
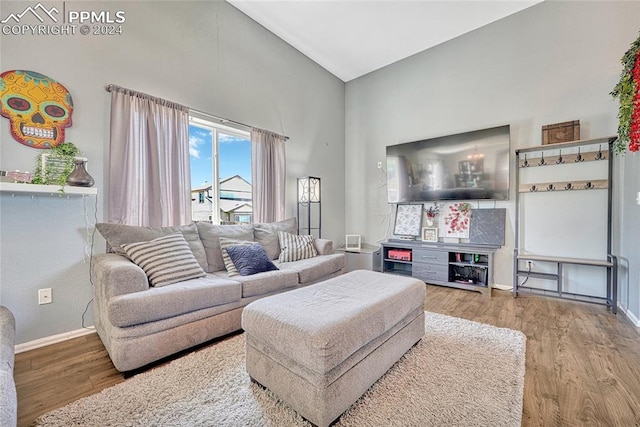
(561, 155)
(559, 159)
(594, 184)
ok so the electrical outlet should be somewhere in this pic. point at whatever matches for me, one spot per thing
(529, 265)
(379, 165)
(44, 296)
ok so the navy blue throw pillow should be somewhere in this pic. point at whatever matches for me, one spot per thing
(250, 259)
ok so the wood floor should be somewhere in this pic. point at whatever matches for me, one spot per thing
(582, 368)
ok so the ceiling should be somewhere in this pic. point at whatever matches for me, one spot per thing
(350, 38)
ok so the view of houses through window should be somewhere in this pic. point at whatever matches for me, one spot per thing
(220, 173)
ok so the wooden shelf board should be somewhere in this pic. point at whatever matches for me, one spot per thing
(567, 159)
(605, 139)
(544, 187)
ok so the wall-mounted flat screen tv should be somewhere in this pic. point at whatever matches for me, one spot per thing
(466, 166)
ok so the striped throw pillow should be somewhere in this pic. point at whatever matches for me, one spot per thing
(294, 247)
(165, 260)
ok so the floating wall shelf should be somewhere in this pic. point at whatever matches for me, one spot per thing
(53, 190)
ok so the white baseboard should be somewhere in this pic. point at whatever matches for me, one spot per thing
(53, 339)
(630, 316)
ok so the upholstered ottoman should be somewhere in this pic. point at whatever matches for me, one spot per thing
(319, 348)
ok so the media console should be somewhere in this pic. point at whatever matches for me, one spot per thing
(461, 265)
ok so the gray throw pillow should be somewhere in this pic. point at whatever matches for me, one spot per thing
(267, 235)
(117, 235)
(211, 234)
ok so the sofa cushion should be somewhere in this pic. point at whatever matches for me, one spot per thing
(117, 235)
(264, 283)
(165, 260)
(294, 247)
(267, 235)
(311, 269)
(250, 259)
(210, 235)
(228, 263)
(169, 301)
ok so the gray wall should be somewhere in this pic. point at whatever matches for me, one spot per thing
(206, 55)
(554, 62)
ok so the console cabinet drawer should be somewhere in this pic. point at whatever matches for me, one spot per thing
(430, 256)
(430, 272)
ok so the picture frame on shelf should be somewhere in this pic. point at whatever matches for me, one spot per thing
(429, 234)
(353, 243)
(408, 220)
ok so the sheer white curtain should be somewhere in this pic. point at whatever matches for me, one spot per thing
(149, 175)
(268, 173)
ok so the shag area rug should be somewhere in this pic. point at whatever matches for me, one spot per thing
(461, 373)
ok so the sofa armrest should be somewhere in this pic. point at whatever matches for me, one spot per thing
(116, 275)
(8, 396)
(7, 337)
(323, 246)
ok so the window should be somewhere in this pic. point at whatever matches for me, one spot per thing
(220, 173)
(243, 218)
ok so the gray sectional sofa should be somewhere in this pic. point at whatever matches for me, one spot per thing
(140, 324)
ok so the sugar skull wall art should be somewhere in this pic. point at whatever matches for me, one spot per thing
(38, 107)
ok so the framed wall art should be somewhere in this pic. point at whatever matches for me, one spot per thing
(408, 220)
(429, 234)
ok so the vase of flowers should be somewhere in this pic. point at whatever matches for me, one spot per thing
(432, 213)
(628, 92)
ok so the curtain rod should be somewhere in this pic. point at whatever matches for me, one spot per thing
(223, 121)
(111, 87)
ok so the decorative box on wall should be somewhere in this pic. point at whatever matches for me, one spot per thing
(561, 132)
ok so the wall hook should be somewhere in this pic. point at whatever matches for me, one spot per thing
(599, 155)
(542, 161)
(550, 187)
(525, 163)
(568, 186)
(533, 188)
(560, 160)
(588, 185)
(579, 156)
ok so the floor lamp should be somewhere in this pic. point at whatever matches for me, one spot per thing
(308, 201)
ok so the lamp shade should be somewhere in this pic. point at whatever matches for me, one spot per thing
(308, 189)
